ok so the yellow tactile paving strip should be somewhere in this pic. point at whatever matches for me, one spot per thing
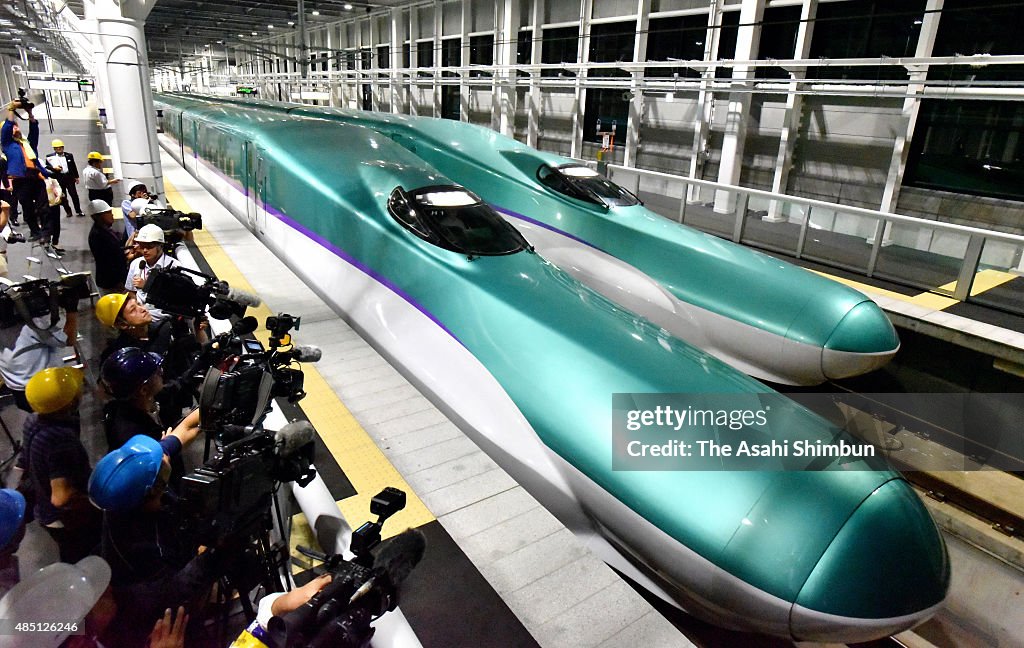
(983, 280)
(364, 464)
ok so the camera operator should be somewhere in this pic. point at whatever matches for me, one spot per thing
(107, 248)
(137, 191)
(150, 242)
(170, 338)
(278, 604)
(141, 536)
(56, 463)
(23, 168)
(62, 165)
(135, 379)
(41, 343)
(150, 558)
(96, 183)
(135, 326)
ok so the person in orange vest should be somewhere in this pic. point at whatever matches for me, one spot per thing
(23, 167)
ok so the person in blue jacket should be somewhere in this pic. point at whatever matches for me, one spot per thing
(24, 168)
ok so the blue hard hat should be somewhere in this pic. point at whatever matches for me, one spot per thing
(122, 478)
(12, 513)
(128, 369)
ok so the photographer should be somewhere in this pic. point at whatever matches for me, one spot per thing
(106, 247)
(41, 343)
(150, 242)
(23, 168)
(56, 463)
(130, 212)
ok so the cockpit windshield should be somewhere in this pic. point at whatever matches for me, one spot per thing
(455, 219)
(583, 183)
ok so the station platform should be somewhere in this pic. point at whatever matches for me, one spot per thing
(499, 569)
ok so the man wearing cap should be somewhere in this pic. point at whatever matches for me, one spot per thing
(150, 243)
(57, 464)
(24, 169)
(62, 165)
(137, 191)
(96, 183)
(106, 247)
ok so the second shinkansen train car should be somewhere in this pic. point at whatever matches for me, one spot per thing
(768, 318)
(525, 359)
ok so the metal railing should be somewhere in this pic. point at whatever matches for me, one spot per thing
(939, 257)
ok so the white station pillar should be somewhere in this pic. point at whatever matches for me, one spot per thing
(747, 41)
(123, 39)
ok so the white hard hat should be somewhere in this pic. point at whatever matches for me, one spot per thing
(141, 205)
(97, 207)
(59, 591)
(150, 234)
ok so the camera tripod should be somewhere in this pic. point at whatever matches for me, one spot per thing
(260, 565)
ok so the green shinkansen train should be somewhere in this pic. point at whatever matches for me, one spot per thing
(526, 359)
(768, 318)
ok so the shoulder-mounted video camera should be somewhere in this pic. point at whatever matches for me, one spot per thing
(23, 302)
(361, 589)
(170, 220)
(189, 293)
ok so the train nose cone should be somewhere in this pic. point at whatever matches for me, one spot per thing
(863, 341)
(886, 570)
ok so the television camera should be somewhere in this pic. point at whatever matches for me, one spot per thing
(189, 293)
(361, 589)
(171, 221)
(231, 494)
(244, 376)
(20, 303)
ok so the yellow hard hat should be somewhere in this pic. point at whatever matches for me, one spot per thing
(53, 389)
(58, 143)
(93, 155)
(108, 307)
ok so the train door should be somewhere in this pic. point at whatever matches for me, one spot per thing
(189, 134)
(260, 198)
(250, 186)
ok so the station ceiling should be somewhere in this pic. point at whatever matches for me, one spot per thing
(191, 25)
(177, 29)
